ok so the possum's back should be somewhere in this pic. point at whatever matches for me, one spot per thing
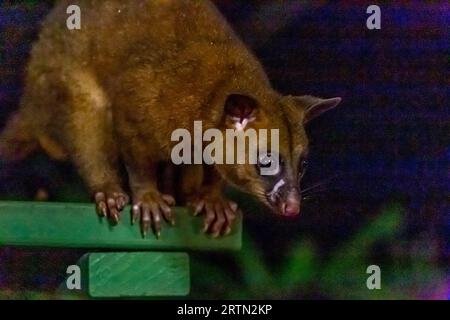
(115, 30)
(177, 52)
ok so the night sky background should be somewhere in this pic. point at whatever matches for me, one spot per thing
(383, 154)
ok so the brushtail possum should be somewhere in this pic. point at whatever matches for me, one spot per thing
(112, 93)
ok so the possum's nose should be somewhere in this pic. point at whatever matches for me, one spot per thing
(291, 206)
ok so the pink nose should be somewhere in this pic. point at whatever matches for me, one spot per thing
(291, 207)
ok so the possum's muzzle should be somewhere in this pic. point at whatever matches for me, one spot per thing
(285, 201)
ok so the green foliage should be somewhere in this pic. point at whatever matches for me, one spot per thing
(304, 273)
(299, 269)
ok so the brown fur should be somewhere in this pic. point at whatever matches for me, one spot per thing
(136, 71)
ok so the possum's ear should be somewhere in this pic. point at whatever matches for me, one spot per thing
(313, 107)
(240, 109)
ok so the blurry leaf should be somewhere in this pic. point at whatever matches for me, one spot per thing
(254, 271)
(384, 227)
(345, 274)
(300, 267)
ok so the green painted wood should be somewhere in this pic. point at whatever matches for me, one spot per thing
(70, 294)
(130, 275)
(138, 274)
(67, 225)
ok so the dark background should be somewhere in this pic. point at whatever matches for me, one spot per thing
(382, 157)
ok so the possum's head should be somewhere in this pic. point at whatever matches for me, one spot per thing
(275, 175)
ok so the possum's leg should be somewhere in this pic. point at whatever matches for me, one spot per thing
(91, 142)
(207, 197)
(141, 151)
(167, 179)
(150, 206)
(191, 181)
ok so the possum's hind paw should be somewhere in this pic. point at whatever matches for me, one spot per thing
(150, 210)
(109, 204)
(220, 214)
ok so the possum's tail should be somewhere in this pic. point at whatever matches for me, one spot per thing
(16, 140)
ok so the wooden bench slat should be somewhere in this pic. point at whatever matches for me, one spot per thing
(70, 225)
(137, 274)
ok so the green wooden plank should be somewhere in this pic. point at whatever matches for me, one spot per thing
(71, 294)
(138, 274)
(130, 275)
(68, 225)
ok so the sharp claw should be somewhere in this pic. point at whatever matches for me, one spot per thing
(157, 225)
(108, 202)
(206, 226)
(217, 229)
(101, 205)
(104, 210)
(151, 211)
(144, 229)
(199, 208)
(169, 199)
(101, 209)
(220, 220)
(115, 217)
(135, 214)
(210, 215)
(120, 203)
(146, 221)
(145, 226)
(219, 216)
(167, 213)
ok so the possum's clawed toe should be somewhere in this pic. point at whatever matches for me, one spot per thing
(109, 204)
(220, 215)
(150, 210)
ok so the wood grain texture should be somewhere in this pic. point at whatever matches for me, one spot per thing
(138, 274)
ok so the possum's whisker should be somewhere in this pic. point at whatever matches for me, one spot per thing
(310, 196)
(313, 188)
(319, 184)
(314, 192)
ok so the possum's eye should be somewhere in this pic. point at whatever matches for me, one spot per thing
(264, 162)
(303, 164)
(269, 164)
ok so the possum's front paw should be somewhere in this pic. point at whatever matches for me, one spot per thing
(150, 208)
(220, 213)
(109, 204)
